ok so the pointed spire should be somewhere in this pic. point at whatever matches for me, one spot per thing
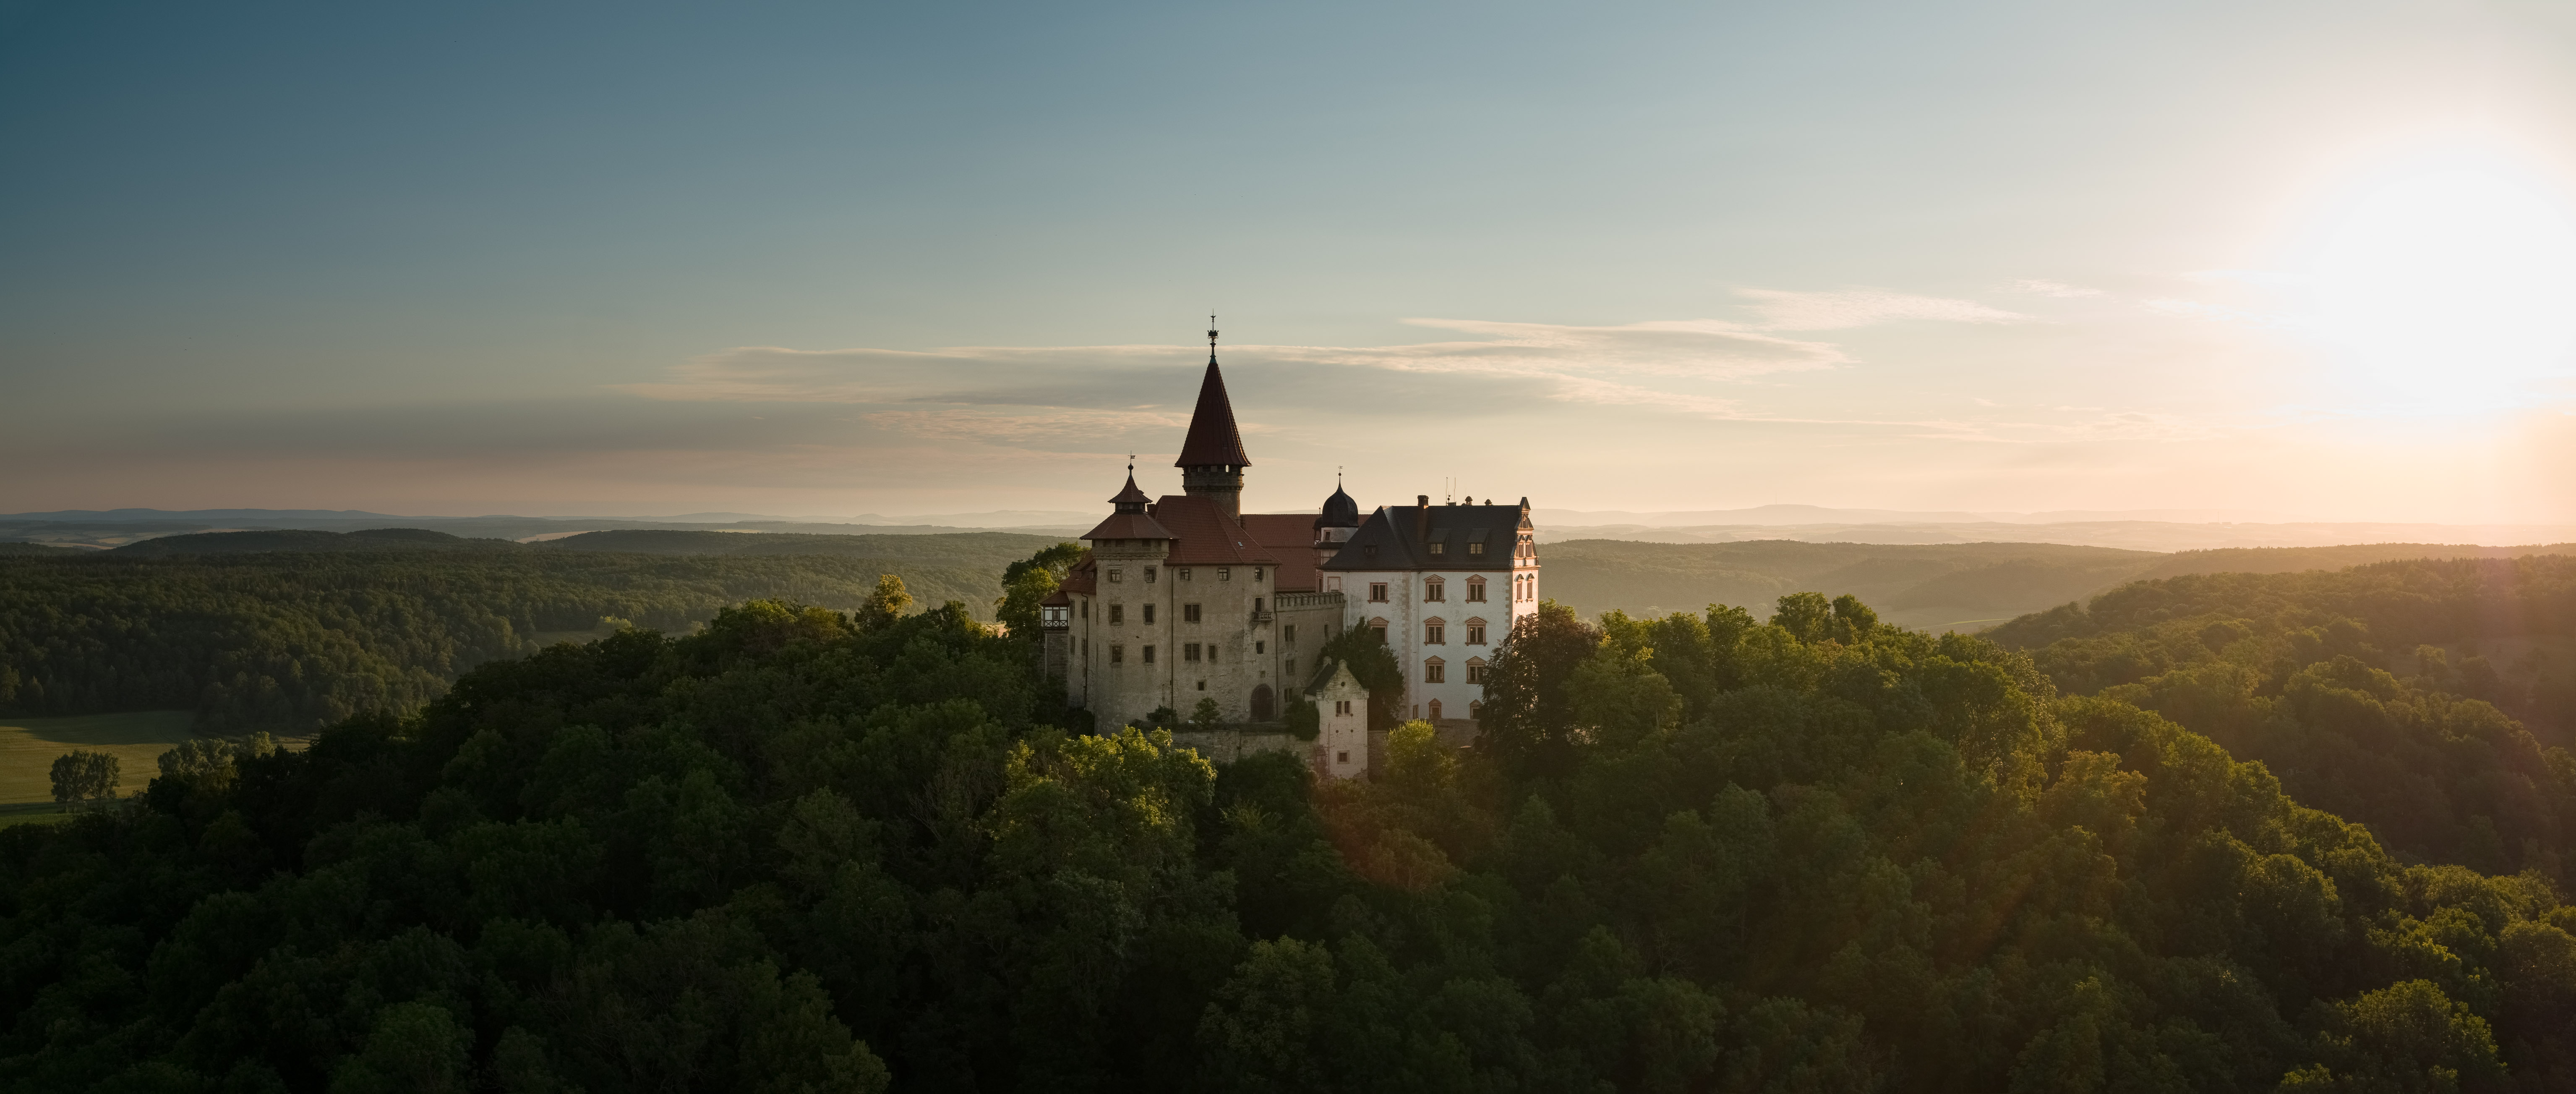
(1213, 439)
(1130, 500)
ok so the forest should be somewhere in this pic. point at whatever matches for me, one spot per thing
(2431, 700)
(308, 628)
(800, 849)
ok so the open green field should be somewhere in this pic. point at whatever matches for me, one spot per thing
(28, 747)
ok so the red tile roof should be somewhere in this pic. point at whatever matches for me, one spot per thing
(1290, 538)
(1213, 438)
(1083, 577)
(1207, 537)
(1128, 526)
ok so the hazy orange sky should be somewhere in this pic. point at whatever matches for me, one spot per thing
(2309, 259)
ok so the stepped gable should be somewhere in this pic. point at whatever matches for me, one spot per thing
(1290, 538)
(1206, 537)
(1213, 440)
(1402, 535)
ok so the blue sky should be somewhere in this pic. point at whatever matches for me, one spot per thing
(2312, 259)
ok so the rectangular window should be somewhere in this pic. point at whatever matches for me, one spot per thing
(1439, 548)
(1333, 583)
(1435, 589)
(1432, 671)
(1475, 634)
(1377, 591)
(1225, 573)
(1189, 613)
(1149, 613)
(1149, 575)
(1189, 651)
(1117, 574)
(1292, 668)
(1256, 573)
(1433, 634)
(1475, 590)
(1475, 674)
(1117, 654)
(1475, 548)
(1149, 655)
(1184, 572)
(1288, 634)
(1341, 757)
(1117, 614)
(1341, 706)
(1261, 647)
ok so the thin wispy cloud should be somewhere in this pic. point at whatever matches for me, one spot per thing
(1844, 309)
(2058, 289)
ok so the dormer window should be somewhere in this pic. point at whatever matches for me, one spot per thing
(1369, 550)
(1439, 548)
(1475, 548)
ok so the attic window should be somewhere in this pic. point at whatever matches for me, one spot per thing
(1369, 550)
(1475, 548)
(1436, 548)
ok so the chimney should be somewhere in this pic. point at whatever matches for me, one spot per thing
(1421, 517)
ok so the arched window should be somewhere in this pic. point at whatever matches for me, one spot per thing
(1435, 710)
(1261, 703)
(1475, 708)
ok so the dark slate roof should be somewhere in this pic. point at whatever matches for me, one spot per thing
(1402, 535)
(1213, 439)
(1339, 511)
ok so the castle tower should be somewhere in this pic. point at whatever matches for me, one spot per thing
(1212, 458)
(1333, 527)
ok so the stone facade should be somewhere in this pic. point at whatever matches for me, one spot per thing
(1185, 597)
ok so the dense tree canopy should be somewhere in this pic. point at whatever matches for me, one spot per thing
(800, 850)
(2404, 695)
(286, 643)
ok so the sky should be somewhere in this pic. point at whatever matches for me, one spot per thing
(2309, 259)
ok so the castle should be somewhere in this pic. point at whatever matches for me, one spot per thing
(1186, 597)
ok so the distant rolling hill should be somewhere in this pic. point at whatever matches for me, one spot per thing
(1964, 586)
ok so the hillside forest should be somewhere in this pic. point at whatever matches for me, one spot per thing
(1803, 850)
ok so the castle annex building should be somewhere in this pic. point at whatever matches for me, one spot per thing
(1186, 597)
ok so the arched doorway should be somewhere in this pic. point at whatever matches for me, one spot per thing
(1435, 710)
(1261, 711)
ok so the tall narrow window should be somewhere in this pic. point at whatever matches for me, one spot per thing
(1117, 614)
(1149, 655)
(1149, 575)
(1149, 613)
(1117, 654)
(1288, 634)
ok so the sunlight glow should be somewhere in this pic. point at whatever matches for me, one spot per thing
(2446, 288)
